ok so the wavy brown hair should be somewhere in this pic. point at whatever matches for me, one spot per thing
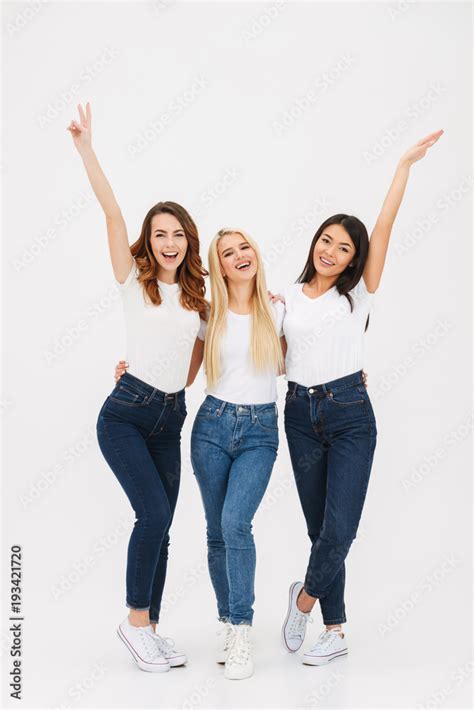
(191, 272)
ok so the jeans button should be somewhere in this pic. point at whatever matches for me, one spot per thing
(311, 390)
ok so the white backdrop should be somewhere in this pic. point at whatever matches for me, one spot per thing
(269, 117)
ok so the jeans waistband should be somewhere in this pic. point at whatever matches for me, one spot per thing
(240, 409)
(322, 390)
(149, 390)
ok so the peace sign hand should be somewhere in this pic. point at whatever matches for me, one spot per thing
(82, 132)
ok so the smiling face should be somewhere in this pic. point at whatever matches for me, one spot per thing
(168, 242)
(334, 251)
(237, 259)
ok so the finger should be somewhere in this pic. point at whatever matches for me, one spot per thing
(78, 127)
(88, 113)
(81, 113)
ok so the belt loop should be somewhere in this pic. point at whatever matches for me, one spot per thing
(295, 385)
(175, 401)
(221, 409)
(254, 416)
(276, 409)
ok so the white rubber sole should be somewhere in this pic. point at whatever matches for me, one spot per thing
(283, 637)
(143, 665)
(178, 661)
(323, 660)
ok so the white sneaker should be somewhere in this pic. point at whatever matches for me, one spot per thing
(294, 626)
(228, 632)
(140, 641)
(328, 647)
(239, 664)
(168, 651)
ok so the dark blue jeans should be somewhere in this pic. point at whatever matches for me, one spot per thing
(331, 433)
(139, 433)
(233, 449)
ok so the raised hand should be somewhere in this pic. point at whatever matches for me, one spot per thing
(82, 131)
(418, 151)
(120, 369)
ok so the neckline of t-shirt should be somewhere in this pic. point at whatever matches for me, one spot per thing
(317, 298)
(170, 288)
(239, 315)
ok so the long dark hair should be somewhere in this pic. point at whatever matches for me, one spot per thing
(191, 272)
(351, 276)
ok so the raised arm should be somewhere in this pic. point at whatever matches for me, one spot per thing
(119, 248)
(380, 236)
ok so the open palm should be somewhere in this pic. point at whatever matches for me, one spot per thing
(418, 151)
(82, 131)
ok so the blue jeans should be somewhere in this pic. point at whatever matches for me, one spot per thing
(139, 433)
(331, 432)
(233, 449)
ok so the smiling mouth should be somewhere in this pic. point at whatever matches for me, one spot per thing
(169, 255)
(326, 262)
(243, 266)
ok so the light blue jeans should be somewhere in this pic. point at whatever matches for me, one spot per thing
(233, 449)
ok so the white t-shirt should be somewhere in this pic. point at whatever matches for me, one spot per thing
(325, 340)
(160, 339)
(239, 382)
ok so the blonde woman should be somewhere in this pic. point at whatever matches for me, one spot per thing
(234, 440)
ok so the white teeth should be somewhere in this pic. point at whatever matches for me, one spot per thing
(241, 266)
(170, 253)
(326, 261)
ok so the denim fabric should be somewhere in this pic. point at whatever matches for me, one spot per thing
(139, 433)
(331, 432)
(233, 449)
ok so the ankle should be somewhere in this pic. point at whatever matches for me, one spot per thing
(304, 603)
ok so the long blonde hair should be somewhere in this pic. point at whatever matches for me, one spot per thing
(265, 348)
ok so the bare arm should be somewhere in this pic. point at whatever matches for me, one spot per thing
(196, 361)
(119, 248)
(380, 236)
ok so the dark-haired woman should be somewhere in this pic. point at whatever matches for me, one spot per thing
(329, 420)
(161, 280)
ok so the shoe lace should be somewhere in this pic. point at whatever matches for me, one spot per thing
(325, 638)
(164, 644)
(240, 651)
(228, 635)
(298, 624)
(150, 644)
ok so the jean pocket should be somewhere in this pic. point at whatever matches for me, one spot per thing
(268, 420)
(128, 396)
(204, 411)
(349, 397)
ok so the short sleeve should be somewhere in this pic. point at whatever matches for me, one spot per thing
(279, 314)
(202, 329)
(133, 273)
(360, 292)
